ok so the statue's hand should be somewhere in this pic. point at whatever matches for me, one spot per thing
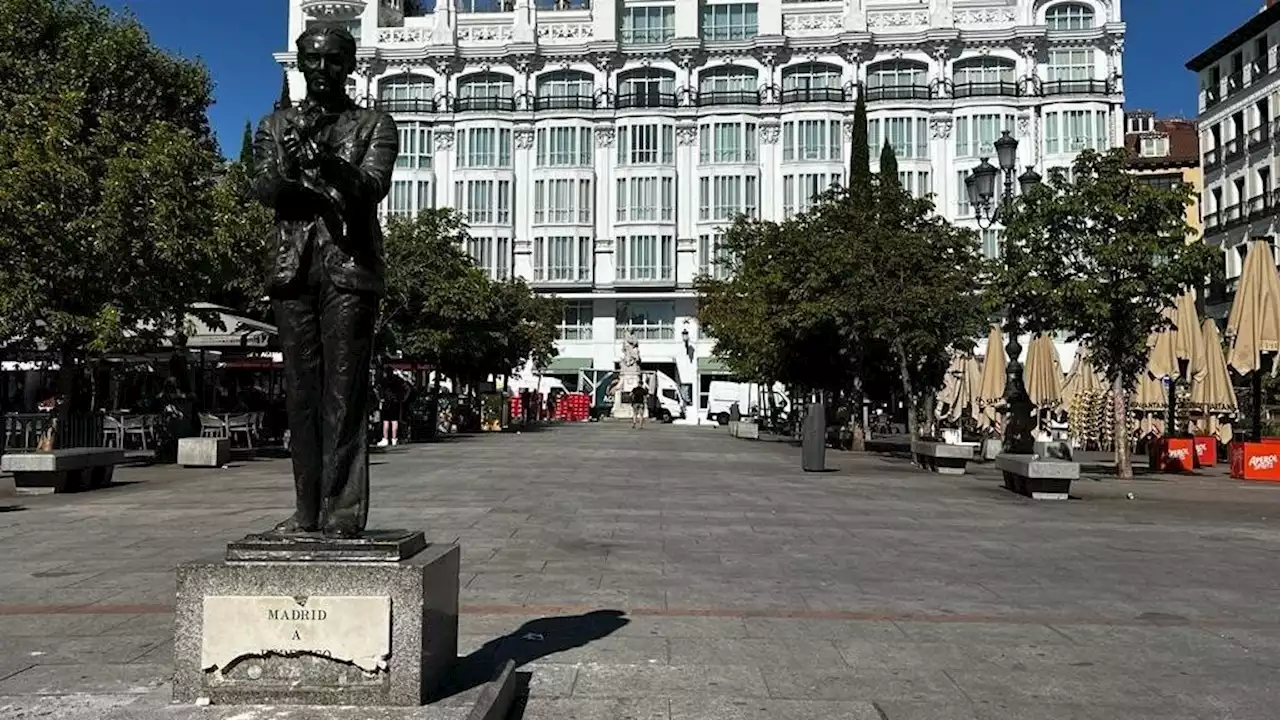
(289, 159)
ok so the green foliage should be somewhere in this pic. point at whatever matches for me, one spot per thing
(242, 227)
(860, 146)
(284, 101)
(106, 177)
(888, 164)
(246, 146)
(442, 309)
(1102, 257)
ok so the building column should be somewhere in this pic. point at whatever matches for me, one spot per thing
(522, 188)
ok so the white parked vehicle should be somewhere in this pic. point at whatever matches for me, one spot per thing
(749, 396)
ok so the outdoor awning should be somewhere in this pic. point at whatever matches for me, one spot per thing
(569, 364)
(713, 366)
(236, 332)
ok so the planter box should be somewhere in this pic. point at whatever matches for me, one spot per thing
(1172, 454)
(1206, 450)
(1255, 461)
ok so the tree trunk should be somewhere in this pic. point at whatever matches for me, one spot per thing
(1124, 468)
(909, 396)
(858, 443)
(931, 412)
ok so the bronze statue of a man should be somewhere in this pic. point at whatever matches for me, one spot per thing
(324, 166)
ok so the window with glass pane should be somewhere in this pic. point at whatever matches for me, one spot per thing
(647, 144)
(727, 143)
(648, 320)
(1069, 16)
(404, 92)
(566, 84)
(486, 85)
(991, 243)
(416, 145)
(983, 70)
(915, 182)
(713, 256)
(475, 199)
(1052, 134)
(1083, 129)
(808, 76)
(399, 201)
(493, 255)
(1155, 146)
(576, 323)
(563, 146)
(649, 24)
(897, 73)
(586, 201)
(727, 82)
(553, 202)
(1070, 65)
(484, 147)
(668, 208)
(962, 194)
(801, 190)
(650, 83)
(726, 22)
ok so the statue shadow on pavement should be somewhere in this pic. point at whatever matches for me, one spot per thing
(533, 640)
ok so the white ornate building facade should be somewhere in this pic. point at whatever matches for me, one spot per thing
(598, 147)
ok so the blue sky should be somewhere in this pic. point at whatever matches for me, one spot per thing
(235, 38)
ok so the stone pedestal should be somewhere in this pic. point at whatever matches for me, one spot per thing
(365, 622)
(204, 451)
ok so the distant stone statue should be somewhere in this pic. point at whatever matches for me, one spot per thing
(630, 355)
(324, 166)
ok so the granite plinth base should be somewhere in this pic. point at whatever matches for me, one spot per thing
(313, 632)
(1036, 478)
(204, 452)
(371, 546)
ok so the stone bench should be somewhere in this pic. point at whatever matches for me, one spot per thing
(204, 452)
(66, 470)
(942, 458)
(744, 429)
(1038, 478)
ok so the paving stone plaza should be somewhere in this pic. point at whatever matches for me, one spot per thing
(677, 573)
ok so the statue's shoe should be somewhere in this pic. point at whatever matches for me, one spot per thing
(292, 526)
(340, 531)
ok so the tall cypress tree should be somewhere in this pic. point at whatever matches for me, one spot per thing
(284, 101)
(246, 145)
(860, 145)
(888, 164)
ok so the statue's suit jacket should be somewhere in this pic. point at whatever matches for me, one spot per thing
(336, 206)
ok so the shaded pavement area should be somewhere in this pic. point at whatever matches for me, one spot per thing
(675, 573)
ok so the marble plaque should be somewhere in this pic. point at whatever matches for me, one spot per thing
(347, 629)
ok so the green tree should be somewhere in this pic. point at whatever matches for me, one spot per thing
(106, 181)
(911, 280)
(860, 145)
(246, 146)
(1106, 254)
(242, 225)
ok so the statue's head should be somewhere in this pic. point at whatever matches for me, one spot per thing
(326, 56)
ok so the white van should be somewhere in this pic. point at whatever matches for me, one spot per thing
(750, 396)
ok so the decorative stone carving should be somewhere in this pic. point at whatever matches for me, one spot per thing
(333, 10)
(1024, 125)
(769, 133)
(603, 62)
(403, 36)
(984, 16)
(897, 19)
(484, 34)
(940, 127)
(687, 134)
(812, 24)
(565, 31)
(604, 136)
(444, 139)
(524, 138)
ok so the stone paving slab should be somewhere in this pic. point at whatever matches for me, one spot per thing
(740, 586)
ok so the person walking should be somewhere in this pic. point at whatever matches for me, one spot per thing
(639, 407)
(394, 392)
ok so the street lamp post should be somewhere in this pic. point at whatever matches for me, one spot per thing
(989, 210)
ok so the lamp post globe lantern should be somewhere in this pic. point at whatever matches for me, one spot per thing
(984, 183)
(1007, 152)
(1029, 179)
(684, 336)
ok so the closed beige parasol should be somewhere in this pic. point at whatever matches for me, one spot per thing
(1083, 380)
(1211, 392)
(991, 389)
(1253, 327)
(1043, 374)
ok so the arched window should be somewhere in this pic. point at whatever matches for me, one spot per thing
(406, 94)
(486, 91)
(898, 80)
(565, 89)
(812, 82)
(728, 85)
(1069, 16)
(983, 76)
(647, 87)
